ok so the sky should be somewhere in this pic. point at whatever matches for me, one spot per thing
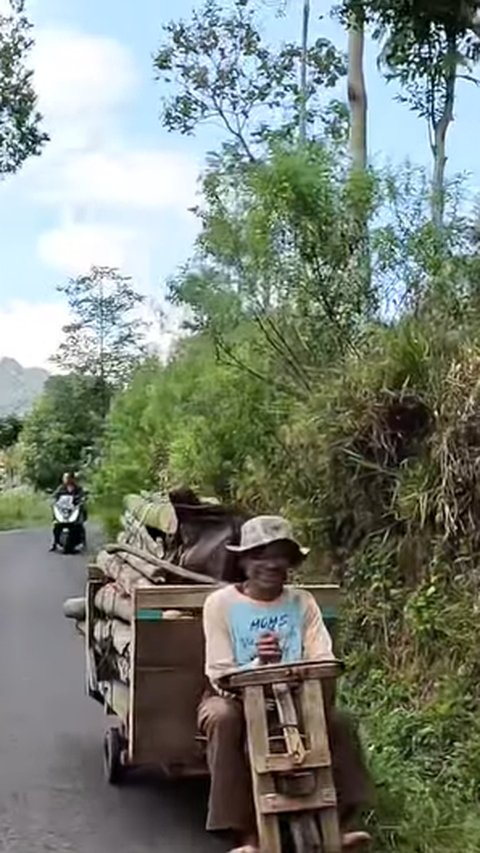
(113, 187)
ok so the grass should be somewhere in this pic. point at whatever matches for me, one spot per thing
(22, 507)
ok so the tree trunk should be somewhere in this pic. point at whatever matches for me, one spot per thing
(304, 72)
(104, 401)
(357, 99)
(357, 93)
(439, 142)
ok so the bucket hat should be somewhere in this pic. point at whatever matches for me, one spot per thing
(263, 530)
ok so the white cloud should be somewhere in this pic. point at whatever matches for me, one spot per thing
(74, 248)
(145, 179)
(110, 199)
(100, 185)
(78, 75)
(31, 333)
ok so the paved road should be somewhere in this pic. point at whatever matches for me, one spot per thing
(52, 793)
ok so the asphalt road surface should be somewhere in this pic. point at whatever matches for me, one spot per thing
(53, 796)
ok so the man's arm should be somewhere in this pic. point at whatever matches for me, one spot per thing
(317, 642)
(219, 658)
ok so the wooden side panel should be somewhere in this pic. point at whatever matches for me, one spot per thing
(168, 685)
(171, 597)
(169, 643)
(192, 597)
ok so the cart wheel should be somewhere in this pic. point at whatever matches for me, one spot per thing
(305, 834)
(112, 757)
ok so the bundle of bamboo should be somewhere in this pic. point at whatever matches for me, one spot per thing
(137, 559)
(123, 568)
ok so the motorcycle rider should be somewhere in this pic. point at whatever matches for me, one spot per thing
(69, 486)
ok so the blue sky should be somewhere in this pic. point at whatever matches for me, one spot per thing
(113, 187)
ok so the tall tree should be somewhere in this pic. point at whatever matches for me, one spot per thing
(277, 250)
(21, 135)
(427, 46)
(224, 72)
(357, 92)
(106, 338)
(304, 71)
(62, 429)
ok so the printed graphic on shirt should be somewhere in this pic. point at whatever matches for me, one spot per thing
(249, 621)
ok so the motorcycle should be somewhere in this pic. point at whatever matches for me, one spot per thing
(69, 521)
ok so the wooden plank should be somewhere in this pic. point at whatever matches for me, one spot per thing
(168, 681)
(132, 726)
(330, 829)
(192, 596)
(275, 804)
(306, 835)
(276, 673)
(314, 720)
(257, 726)
(165, 717)
(326, 595)
(170, 644)
(314, 723)
(287, 715)
(262, 784)
(171, 597)
(282, 763)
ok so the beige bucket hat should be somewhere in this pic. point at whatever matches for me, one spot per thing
(263, 530)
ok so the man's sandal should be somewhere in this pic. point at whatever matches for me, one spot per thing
(354, 840)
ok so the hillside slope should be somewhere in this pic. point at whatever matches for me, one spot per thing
(19, 386)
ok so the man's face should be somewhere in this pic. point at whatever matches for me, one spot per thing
(267, 568)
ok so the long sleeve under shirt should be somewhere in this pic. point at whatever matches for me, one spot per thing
(233, 623)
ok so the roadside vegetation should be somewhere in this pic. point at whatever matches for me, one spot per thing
(22, 507)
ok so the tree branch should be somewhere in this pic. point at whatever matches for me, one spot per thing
(237, 134)
(280, 345)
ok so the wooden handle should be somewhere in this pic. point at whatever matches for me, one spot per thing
(282, 673)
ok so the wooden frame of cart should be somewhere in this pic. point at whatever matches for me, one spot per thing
(157, 710)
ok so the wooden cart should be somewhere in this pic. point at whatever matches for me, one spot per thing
(156, 713)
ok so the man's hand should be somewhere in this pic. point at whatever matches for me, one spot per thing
(268, 648)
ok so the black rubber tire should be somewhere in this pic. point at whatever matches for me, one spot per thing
(112, 757)
(66, 542)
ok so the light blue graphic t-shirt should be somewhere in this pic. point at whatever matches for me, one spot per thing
(248, 620)
(233, 624)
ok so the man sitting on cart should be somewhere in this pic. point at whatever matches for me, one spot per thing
(261, 621)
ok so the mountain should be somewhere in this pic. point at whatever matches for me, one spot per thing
(19, 386)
